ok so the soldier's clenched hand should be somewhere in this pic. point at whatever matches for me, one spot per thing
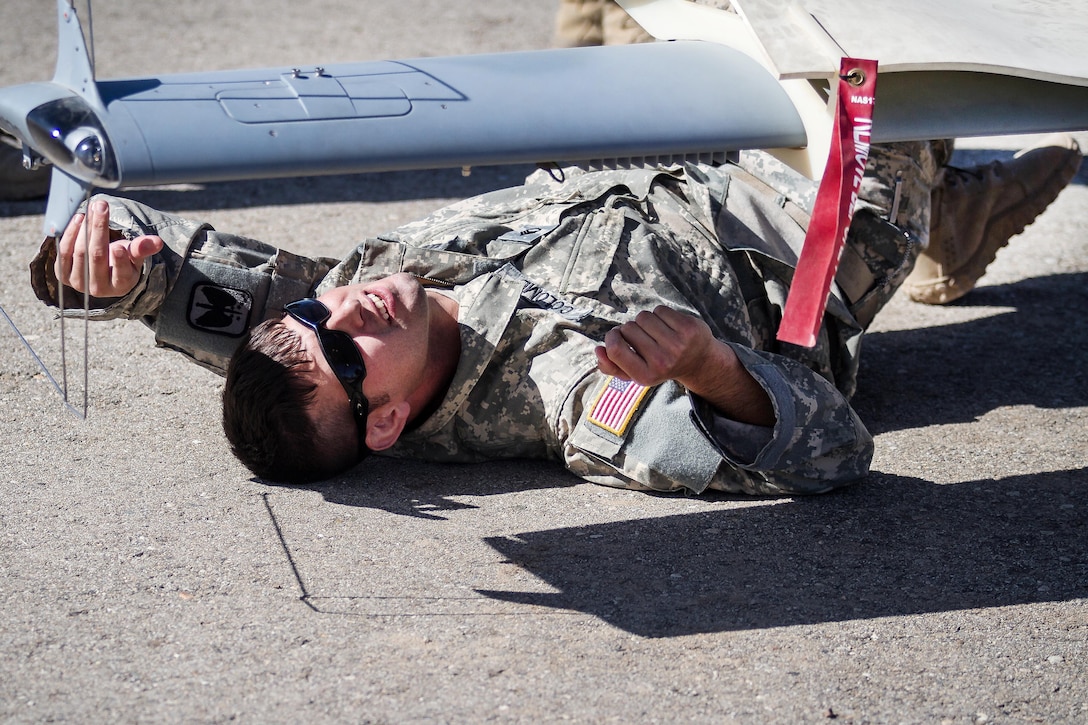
(670, 345)
(655, 347)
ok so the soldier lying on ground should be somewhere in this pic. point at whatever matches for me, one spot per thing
(621, 322)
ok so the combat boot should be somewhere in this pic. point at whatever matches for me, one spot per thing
(582, 23)
(976, 211)
(619, 28)
(579, 23)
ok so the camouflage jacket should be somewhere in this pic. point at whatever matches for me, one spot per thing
(541, 272)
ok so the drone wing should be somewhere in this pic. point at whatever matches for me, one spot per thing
(657, 101)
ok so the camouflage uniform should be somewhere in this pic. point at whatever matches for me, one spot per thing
(541, 272)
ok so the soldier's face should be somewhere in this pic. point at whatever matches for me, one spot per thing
(389, 322)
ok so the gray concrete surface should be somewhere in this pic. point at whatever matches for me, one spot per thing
(144, 577)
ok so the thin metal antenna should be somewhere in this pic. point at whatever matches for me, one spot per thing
(86, 299)
(45, 370)
(62, 389)
(86, 324)
(89, 43)
(86, 240)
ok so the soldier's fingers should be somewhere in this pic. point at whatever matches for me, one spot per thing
(606, 365)
(78, 271)
(124, 270)
(143, 247)
(98, 248)
(680, 324)
(684, 329)
(637, 337)
(624, 352)
(655, 326)
(675, 319)
(654, 343)
(62, 267)
(126, 261)
(617, 347)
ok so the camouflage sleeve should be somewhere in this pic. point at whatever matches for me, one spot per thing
(666, 439)
(818, 442)
(202, 292)
(643, 438)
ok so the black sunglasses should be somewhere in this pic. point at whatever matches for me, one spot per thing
(343, 357)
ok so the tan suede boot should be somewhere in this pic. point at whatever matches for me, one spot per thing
(579, 23)
(620, 28)
(976, 211)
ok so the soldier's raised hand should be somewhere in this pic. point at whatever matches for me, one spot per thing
(115, 263)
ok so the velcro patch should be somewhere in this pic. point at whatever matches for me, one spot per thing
(221, 310)
(616, 405)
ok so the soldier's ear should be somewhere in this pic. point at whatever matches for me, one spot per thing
(385, 424)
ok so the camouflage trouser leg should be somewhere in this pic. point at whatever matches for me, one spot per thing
(891, 223)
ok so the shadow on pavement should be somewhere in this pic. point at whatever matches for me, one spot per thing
(891, 547)
(427, 490)
(362, 188)
(1033, 355)
(374, 187)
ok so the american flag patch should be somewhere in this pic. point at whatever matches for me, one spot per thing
(616, 405)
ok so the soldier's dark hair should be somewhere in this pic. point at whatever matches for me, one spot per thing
(266, 416)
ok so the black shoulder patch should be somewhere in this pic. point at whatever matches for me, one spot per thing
(219, 310)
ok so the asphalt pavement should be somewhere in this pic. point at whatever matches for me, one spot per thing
(146, 577)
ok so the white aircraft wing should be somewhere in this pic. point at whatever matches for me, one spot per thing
(947, 68)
